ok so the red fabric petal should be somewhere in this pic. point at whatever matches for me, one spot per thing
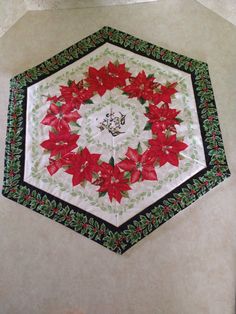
(179, 146)
(135, 175)
(64, 149)
(77, 178)
(101, 90)
(127, 165)
(62, 125)
(122, 186)
(47, 144)
(72, 116)
(133, 154)
(157, 98)
(162, 159)
(95, 157)
(92, 72)
(147, 158)
(54, 166)
(170, 140)
(104, 187)
(117, 195)
(48, 119)
(54, 109)
(88, 173)
(149, 174)
(113, 193)
(173, 159)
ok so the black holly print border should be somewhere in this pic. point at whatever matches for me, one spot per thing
(117, 239)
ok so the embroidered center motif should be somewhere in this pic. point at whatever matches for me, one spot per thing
(113, 123)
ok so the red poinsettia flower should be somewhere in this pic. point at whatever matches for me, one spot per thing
(140, 166)
(118, 73)
(60, 143)
(83, 165)
(59, 116)
(113, 181)
(164, 94)
(99, 80)
(166, 149)
(75, 94)
(162, 118)
(141, 87)
(56, 164)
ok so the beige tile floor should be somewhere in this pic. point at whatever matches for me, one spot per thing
(187, 266)
(12, 10)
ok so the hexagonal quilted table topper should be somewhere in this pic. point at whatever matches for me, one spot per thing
(112, 137)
